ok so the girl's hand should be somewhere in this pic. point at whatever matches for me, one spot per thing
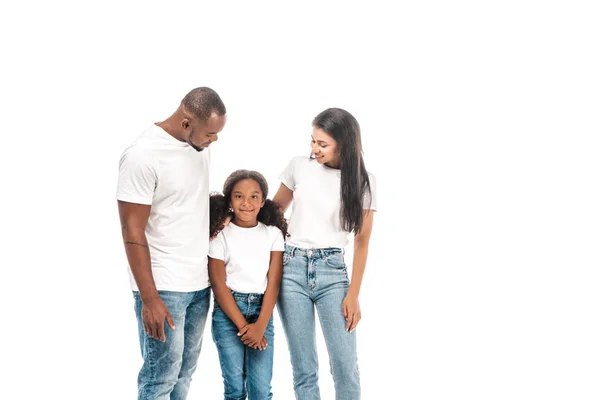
(263, 344)
(252, 335)
(351, 309)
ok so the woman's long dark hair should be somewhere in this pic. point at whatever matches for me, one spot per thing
(269, 214)
(344, 129)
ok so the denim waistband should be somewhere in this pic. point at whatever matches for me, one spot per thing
(297, 251)
(247, 296)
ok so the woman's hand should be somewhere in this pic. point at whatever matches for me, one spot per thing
(351, 309)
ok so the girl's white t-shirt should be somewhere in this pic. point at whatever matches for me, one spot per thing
(246, 253)
(314, 222)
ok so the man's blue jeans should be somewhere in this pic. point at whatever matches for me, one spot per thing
(317, 278)
(246, 371)
(168, 366)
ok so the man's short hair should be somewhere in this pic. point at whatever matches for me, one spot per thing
(202, 102)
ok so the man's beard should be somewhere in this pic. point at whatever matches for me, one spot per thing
(198, 149)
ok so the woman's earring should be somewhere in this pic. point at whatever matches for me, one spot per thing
(230, 209)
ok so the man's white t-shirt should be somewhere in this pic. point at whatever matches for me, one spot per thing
(246, 253)
(314, 222)
(172, 177)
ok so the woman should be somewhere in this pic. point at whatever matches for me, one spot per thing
(333, 195)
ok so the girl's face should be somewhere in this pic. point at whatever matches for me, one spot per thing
(246, 201)
(324, 148)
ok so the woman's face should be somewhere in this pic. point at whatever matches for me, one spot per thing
(324, 148)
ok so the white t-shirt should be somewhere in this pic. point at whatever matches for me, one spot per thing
(246, 253)
(315, 219)
(172, 177)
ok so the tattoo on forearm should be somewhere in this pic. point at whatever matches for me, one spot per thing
(137, 244)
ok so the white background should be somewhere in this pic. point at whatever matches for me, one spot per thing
(480, 120)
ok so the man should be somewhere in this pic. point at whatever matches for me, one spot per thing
(163, 199)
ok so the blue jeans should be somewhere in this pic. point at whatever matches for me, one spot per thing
(246, 371)
(168, 366)
(317, 278)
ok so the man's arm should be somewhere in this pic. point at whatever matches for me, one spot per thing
(134, 218)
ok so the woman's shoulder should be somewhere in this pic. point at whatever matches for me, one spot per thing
(305, 163)
(298, 161)
(371, 175)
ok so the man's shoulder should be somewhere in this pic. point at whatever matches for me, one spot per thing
(146, 147)
(137, 153)
(149, 138)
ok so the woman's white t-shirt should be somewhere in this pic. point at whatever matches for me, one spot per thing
(246, 253)
(314, 222)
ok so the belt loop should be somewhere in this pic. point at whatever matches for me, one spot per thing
(293, 251)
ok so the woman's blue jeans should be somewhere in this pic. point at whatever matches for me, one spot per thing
(317, 279)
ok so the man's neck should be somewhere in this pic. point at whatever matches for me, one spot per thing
(168, 126)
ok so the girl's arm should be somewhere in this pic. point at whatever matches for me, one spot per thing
(216, 272)
(257, 330)
(283, 197)
(351, 306)
(272, 291)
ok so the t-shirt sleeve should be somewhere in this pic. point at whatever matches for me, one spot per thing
(278, 242)
(216, 249)
(137, 176)
(370, 199)
(287, 176)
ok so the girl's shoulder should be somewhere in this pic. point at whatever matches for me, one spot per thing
(275, 237)
(270, 230)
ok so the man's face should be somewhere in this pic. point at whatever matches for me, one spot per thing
(200, 134)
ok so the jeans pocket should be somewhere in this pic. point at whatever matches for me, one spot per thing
(286, 258)
(335, 261)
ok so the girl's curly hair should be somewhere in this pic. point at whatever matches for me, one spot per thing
(269, 214)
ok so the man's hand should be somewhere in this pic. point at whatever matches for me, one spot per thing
(154, 313)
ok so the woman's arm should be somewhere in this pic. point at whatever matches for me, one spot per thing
(216, 272)
(284, 197)
(361, 249)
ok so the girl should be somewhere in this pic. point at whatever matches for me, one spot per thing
(244, 265)
(333, 195)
